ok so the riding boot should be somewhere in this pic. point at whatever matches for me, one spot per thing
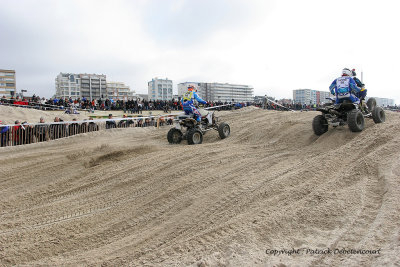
(364, 107)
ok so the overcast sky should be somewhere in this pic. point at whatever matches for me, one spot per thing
(275, 46)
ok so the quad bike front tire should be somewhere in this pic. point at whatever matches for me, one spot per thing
(355, 120)
(371, 104)
(378, 115)
(194, 137)
(224, 130)
(320, 125)
(174, 136)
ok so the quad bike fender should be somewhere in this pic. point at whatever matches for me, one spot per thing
(177, 125)
(203, 112)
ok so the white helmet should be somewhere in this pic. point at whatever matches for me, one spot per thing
(346, 72)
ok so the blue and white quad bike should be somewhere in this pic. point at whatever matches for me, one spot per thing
(347, 113)
(186, 127)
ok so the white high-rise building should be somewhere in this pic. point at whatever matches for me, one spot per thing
(160, 89)
(119, 91)
(224, 92)
(7, 83)
(310, 97)
(68, 85)
(93, 86)
(227, 92)
(383, 102)
(89, 86)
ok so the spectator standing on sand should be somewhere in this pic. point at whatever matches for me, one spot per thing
(92, 127)
(16, 133)
(110, 123)
(4, 134)
(73, 128)
(41, 131)
(123, 123)
(27, 133)
(58, 130)
(84, 127)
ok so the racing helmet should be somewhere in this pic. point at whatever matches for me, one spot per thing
(346, 72)
(190, 88)
(353, 72)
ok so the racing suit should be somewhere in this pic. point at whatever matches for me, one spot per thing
(345, 88)
(363, 92)
(188, 104)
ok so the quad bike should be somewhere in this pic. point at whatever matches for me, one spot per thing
(186, 127)
(347, 113)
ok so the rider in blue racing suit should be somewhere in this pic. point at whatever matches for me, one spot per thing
(345, 88)
(363, 92)
(188, 103)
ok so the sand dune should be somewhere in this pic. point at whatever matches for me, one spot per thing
(126, 197)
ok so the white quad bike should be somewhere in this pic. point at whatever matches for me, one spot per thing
(186, 127)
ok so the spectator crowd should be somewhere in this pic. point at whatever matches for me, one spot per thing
(129, 106)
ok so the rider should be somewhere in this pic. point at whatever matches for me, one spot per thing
(345, 88)
(188, 103)
(363, 92)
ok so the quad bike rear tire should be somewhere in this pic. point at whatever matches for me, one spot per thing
(355, 120)
(194, 137)
(320, 125)
(378, 115)
(224, 130)
(174, 136)
(371, 104)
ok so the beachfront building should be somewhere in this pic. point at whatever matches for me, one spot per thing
(227, 92)
(160, 89)
(68, 85)
(93, 86)
(89, 86)
(310, 97)
(224, 92)
(7, 83)
(383, 102)
(323, 97)
(119, 91)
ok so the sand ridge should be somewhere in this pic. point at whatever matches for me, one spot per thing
(125, 197)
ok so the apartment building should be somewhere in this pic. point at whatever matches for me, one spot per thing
(119, 91)
(93, 86)
(224, 92)
(160, 89)
(310, 97)
(7, 83)
(68, 85)
(383, 102)
(90, 86)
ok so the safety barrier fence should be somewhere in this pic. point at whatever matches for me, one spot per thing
(28, 133)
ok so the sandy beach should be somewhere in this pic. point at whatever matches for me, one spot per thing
(125, 197)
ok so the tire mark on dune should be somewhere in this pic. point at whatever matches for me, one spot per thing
(372, 201)
(80, 190)
(217, 214)
(121, 199)
(212, 233)
(153, 210)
